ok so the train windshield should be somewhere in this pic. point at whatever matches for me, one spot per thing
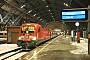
(28, 29)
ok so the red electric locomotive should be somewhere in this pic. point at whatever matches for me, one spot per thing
(31, 35)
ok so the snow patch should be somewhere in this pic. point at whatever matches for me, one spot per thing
(81, 48)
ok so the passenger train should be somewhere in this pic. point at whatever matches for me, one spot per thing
(32, 34)
(3, 35)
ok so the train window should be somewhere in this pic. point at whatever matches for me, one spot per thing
(24, 28)
(3, 34)
(28, 28)
(38, 29)
(31, 28)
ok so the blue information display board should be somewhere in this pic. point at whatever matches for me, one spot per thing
(74, 14)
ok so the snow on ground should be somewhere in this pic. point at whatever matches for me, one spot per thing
(81, 48)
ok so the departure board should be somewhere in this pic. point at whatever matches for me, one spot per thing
(74, 14)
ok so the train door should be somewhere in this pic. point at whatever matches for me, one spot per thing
(40, 33)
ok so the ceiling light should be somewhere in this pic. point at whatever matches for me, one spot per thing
(52, 16)
(24, 21)
(66, 4)
(34, 14)
(50, 13)
(22, 6)
(38, 17)
(48, 10)
(47, 6)
(43, 0)
(30, 11)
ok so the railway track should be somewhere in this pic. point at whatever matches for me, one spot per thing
(8, 54)
(14, 54)
(32, 54)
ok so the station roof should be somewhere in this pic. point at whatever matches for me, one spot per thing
(40, 11)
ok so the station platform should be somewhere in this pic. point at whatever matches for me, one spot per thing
(59, 48)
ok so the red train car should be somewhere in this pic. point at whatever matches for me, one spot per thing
(31, 35)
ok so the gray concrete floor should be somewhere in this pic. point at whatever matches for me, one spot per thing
(56, 49)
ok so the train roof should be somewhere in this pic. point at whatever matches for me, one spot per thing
(30, 24)
(3, 31)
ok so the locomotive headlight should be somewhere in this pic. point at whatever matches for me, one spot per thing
(20, 37)
(34, 38)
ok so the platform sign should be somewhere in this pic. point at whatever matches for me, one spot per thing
(74, 14)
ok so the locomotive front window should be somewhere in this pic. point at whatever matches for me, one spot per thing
(30, 29)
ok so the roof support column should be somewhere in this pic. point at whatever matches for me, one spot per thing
(89, 29)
